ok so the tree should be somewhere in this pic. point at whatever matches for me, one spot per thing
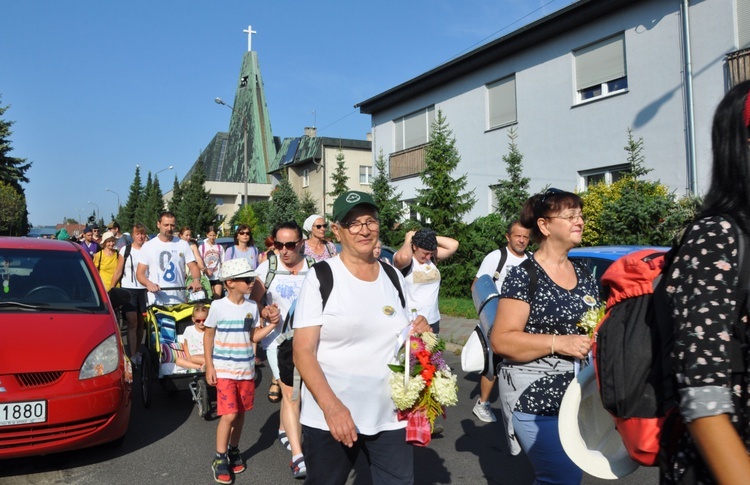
(12, 210)
(196, 209)
(442, 202)
(150, 206)
(127, 216)
(339, 177)
(284, 203)
(307, 205)
(389, 207)
(13, 173)
(177, 194)
(513, 192)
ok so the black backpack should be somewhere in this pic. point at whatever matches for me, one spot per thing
(632, 348)
(288, 374)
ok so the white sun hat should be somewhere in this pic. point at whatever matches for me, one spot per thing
(587, 431)
(236, 268)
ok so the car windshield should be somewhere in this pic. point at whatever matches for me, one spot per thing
(37, 279)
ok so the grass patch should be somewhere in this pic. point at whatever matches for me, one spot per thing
(458, 307)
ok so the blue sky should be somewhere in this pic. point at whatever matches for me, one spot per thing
(96, 87)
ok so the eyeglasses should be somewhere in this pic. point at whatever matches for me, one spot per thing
(199, 320)
(321, 226)
(289, 245)
(244, 233)
(355, 227)
(247, 280)
(570, 219)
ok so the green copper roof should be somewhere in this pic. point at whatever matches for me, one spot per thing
(304, 149)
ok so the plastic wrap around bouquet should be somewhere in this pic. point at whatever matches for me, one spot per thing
(422, 385)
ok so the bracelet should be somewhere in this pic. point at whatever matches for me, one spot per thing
(552, 346)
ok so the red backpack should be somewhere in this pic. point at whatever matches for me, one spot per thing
(632, 346)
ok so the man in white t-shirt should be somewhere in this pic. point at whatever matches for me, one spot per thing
(163, 262)
(496, 265)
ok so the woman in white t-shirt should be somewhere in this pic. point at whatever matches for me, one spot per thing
(342, 351)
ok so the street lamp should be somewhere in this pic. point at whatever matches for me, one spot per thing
(163, 170)
(244, 143)
(118, 199)
(97, 210)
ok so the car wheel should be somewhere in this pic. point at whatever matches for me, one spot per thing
(146, 377)
(204, 404)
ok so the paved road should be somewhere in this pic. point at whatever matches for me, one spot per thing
(170, 444)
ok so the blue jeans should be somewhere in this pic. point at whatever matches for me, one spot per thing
(391, 459)
(540, 440)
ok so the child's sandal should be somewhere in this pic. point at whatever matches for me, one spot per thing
(274, 395)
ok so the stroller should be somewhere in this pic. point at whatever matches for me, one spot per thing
(165, 324)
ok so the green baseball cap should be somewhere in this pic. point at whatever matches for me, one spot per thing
(348, 201)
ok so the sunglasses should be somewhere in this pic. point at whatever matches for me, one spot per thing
(199, 320)
(321, 226)
(244, 233)
(289, 245)
(247, 280)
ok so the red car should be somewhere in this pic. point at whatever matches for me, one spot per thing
(64, 380)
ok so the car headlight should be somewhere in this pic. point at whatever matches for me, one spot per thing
(102, 360)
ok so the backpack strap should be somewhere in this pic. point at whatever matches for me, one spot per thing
(407, 269)
(501, 263)
(737, 347)
(273, 265)
(126, 255)
(325, 278)
(393, 276)
(530, 268)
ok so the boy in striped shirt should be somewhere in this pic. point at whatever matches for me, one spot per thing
(230, 362)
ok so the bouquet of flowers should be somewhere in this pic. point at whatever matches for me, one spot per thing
(591, 318)
(422, 385)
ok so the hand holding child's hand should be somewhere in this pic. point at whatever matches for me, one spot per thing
(274, 315)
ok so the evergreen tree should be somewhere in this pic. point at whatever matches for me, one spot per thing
(12, 209)
(513, 192)
(284, 203)
(307, 205)
(442, 202)
(196, 209)
(152, 203)
(177, 195)
(389, 207)
(13, 173)
(127, 215)
(339, 177)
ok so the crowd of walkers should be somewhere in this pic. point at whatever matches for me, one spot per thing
(335, 405)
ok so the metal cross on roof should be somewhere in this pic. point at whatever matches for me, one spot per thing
(249, 31)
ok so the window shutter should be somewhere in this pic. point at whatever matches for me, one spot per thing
(414, 129)
(600, 62)
(743, 23)
(501, 101)
(399, 135)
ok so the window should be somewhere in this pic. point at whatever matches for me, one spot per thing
(365, 174)
(414, 129)
(409, 210)
(501, 102)
(306, 178)
(607, 175)
(600, 68)
(743, 24)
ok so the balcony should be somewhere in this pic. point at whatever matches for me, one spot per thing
(738, 63)
(407, 163)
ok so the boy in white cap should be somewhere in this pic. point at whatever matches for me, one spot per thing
(230, 363)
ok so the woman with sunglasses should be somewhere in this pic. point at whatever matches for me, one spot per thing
(536, 333)
(342, 352)
(244, 246)
(284, 273)
(316, 244)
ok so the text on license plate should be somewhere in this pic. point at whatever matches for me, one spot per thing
(24, 412)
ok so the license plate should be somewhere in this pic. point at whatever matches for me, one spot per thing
(25, 412)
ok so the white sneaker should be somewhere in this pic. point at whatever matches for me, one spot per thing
(483, 412)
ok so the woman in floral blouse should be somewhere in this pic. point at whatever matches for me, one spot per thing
(537, 334)
(703, 282)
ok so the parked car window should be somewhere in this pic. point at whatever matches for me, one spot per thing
(48, 278)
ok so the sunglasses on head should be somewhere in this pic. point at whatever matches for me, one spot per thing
(289, 245)
(321, 226)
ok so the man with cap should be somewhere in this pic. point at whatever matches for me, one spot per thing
(88, 243)
(163, 262)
